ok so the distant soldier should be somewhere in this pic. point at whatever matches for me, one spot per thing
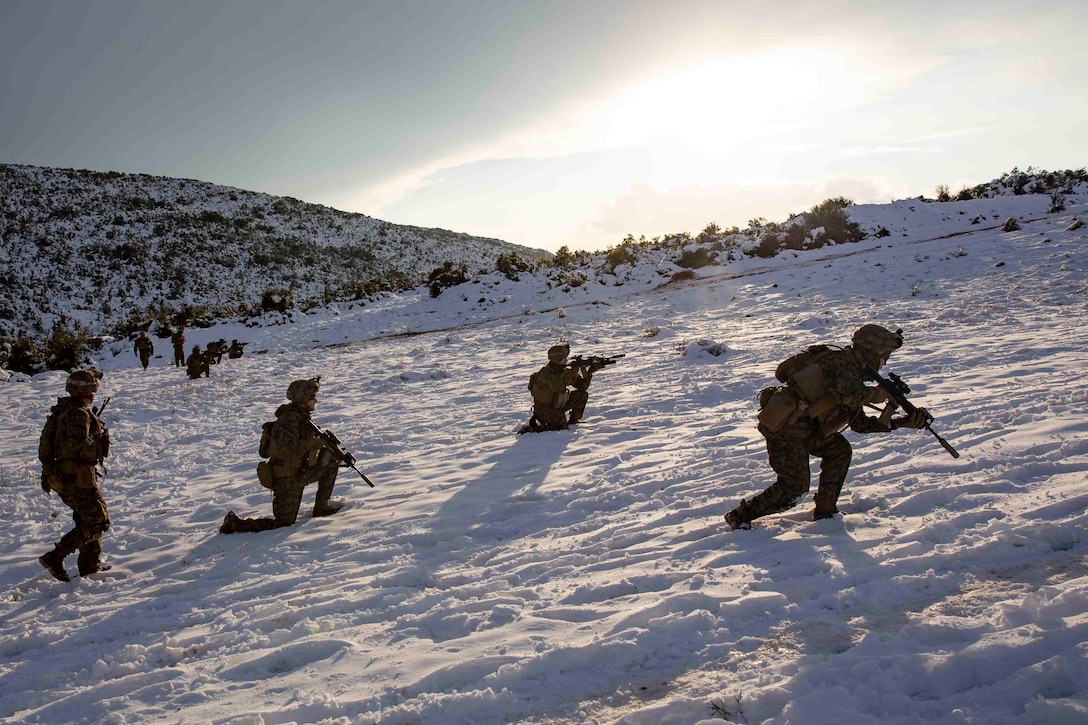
(551, 398)
(72, 442)
(215, 351)
(178, 340)
(825, 393)
(235, 350)
(143, 348)
(197, 364)
(297, 456)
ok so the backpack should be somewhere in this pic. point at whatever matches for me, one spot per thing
(802, 373)
(264, 448)
(47, 442)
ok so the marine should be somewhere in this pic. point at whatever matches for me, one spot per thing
(197, 364)
(824, 394)
(559, 390)
(297, 456)
(71, 444)
(143, 348)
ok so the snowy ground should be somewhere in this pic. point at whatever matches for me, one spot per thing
(587, 576)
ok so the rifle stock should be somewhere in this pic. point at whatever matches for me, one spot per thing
(897, 391)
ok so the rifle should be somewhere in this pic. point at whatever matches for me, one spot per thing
(599, 361)
(97, 412)
(897, 391)
(341, 454)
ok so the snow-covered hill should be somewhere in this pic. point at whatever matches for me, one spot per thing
(586, 576)
(101, 250)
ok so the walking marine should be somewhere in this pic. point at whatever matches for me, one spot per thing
(552, 400)
(824, 393)
(178, 341)
(143, 348)
(71, 444)
(297, 455)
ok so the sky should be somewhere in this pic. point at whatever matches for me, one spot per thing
(586, 576)
(549, 123)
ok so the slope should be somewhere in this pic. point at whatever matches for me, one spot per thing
(585, 576)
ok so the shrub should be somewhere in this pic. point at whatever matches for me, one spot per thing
(695, 258)
(942, 193)
(709, 234)
(769, 245)
(446, 276)
(512, 264)
(619, 255)
(277, 300)
(837, 227)
(564, 258)
(25, 357)
(796, 237)
(64, 348)
(1012, 224)
(1057, 202)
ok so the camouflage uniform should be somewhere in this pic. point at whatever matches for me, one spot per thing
(178, 340)
(235, 350)
(552, 399)
(197, 364)
(144, 349)
(68, 461)
(215, 351)
(789, 447)
(298, 456)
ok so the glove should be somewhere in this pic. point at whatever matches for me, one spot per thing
(51, 482)
(594, 367)
(918, 419)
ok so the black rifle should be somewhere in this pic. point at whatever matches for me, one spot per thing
(97, 412)
(897, 391)
(341, 454)
(598, 361)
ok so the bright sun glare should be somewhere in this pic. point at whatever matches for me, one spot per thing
(720, 105)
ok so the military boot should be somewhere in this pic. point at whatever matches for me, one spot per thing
(740, 517)
(230, 523)
(54, 564)
(89, 558)
(328, 508)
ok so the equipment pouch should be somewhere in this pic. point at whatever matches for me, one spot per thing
(264, 473)
(779, 409)
(85, 476)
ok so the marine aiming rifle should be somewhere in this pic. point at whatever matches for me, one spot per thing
(897, 391)
(597, 361)
(339, 453)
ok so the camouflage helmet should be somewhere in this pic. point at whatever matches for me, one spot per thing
(302, 390)
(880, 341)
(81, 382)
(558, 353)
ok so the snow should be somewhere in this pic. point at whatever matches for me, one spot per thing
(587, 576)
